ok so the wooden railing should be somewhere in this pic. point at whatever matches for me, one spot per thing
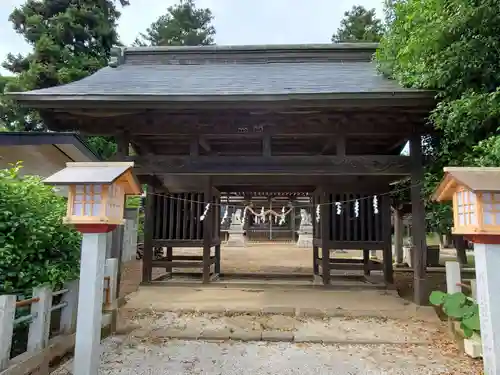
(44, 305)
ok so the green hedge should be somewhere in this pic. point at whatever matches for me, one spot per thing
(36, 248)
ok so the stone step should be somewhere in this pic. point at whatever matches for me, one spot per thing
(278, 327)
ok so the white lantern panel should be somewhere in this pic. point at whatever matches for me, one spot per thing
(96, 209)
(488, 218)
(77, 209)
(88, 209)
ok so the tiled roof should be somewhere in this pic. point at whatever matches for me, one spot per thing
(230, 79)
(226, 71)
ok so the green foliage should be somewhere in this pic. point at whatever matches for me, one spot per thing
(458, 307)
(183, 25)
(35, 246)
(453, 48)
(71, 39)
(359, 25)
(104, 147)
(133, 201)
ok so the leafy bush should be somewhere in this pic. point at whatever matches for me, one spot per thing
(35, 246)
(458, 307)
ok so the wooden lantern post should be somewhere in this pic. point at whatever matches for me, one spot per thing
(96, 199)
(475, 193)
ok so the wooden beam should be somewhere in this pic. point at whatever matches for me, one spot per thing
(204, 143)
(266, 145)
(418, 222)
(227, 123)
(283, 165)
(194, 147)
(207, 231)
(341, 144)
(325, 223)
(387, 238)
(122, 144)
(147, 260)
(328, 145)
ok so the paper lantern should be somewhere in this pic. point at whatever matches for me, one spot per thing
(97, 191)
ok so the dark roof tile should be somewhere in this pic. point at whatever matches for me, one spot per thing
(230, 79)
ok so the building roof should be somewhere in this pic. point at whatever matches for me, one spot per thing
(89, 173)
(230, 73)
(71, 144)
(476, 179)
(98, 173)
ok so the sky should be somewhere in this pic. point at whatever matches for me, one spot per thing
(236, 21)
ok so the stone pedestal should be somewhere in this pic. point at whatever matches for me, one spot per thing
(305, 236)
(236, 237)
(236, 233)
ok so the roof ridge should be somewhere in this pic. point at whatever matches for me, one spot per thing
(256, 47)
(236, 53)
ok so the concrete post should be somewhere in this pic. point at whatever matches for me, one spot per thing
(7, 314)
(487, 259)
(453, 277)
(68, 313)
(90, 296)
(473, 287)
(38, 336)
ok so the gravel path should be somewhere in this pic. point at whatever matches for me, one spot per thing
(125, 355)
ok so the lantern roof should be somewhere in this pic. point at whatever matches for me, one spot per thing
(97, 173)
(475, 179)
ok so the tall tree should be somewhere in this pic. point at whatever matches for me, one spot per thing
(451, 47)
(184, 24)
(71, 39)
(359, 25)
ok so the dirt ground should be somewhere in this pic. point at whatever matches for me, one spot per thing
(270, 258)
(273, 258)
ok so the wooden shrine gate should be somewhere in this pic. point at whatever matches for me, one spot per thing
(209, 119)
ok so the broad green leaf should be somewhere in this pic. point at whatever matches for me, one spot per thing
(472, 322)
(437, 298)
(467, 331)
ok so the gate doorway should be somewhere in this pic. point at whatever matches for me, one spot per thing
(269, 217)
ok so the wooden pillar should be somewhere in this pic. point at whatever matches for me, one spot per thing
(170, 253)
(418, 222)
(398, 235)
(207, 231)
(122, 151)
(461, 249)
(386, 233)
(315, 260)
(217, 259)
(325, 236)
(147, 258)
(366, 262)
